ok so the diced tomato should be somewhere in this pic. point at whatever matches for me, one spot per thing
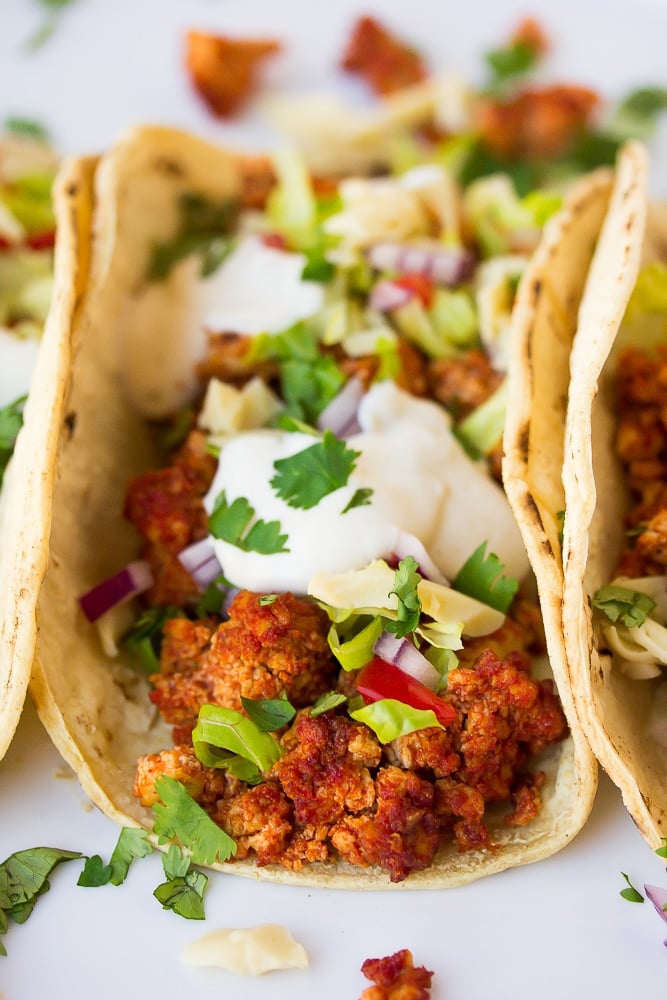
(42, 241)
(379, 679)
(275, 240)
(420, 284)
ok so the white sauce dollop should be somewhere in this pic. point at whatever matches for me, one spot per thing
(422, 481)
(259, 290)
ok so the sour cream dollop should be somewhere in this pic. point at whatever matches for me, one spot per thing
(423, 483)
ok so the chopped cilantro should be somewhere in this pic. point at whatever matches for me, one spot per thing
(203, 230)
(406, 581)
(512, 60)
(132, 843)
(631, 894)
(662, 850)
(309, 380)
(229, 522)
(630, 607)
(26, 127)
(213, 597)
(266, 600)
(24, 877)
(269, 714)
(303, 479)
(481, 577)
(178, 817)
(636, 115)
(327, 701)
(317, 267)
(183, 892)
(53, 10)
(144, 637)
(11, 421)
(360, 498)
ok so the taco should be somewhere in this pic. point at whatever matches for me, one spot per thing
(613, 474)
(28, 483)
(393, 787)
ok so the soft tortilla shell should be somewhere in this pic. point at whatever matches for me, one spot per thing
(26, 501)
(96, 709)
(612, 708)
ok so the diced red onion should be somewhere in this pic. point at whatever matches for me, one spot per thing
(340, 415)
(404, 654)
(405, 544)
(387, 295)
(129, 582)
(449, 266)
(201, 562)
(658, 897)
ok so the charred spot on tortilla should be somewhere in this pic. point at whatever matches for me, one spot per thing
(70, 423)
(171, 167)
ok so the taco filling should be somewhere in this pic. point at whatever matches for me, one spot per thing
(310, 612)
(332, 694)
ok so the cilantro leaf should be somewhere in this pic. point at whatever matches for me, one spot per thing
(175, 863)
(269, 714)
(94, 872)
(203, 230)
(327, 701)
(229, 522)
(512, 60)
(11, 421)
(213, 598)
(360, 498)
(144, 636)
(309, 380)
(406, 581)
(630, 607)
(631, 894)
(662, 850)
(303, 479)
(24, 877)
(26, 127)
(132, 843)
(184, 894)
(481, 577)
(178, 817)
(636, 115)
(266, 600)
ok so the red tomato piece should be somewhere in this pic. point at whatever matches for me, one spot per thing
(420, 284)
(379, 679)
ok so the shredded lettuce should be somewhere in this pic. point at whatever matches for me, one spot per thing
(352, 641)
(482, 429)
(222, 735)
(390, 719)
(454, 317)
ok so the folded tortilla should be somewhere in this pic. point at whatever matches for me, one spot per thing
(129, 348)
(25, 506)
(613, 708)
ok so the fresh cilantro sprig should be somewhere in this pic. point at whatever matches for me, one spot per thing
(24, 877)
(178, 817)
(231, 523)
(11, 421)
(481, 577)
(360, 498)
(630, 607)
(53, 10)
(406, 582)
(303, 479)
(204, 229)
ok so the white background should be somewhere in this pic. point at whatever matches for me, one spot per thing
(551, 930)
